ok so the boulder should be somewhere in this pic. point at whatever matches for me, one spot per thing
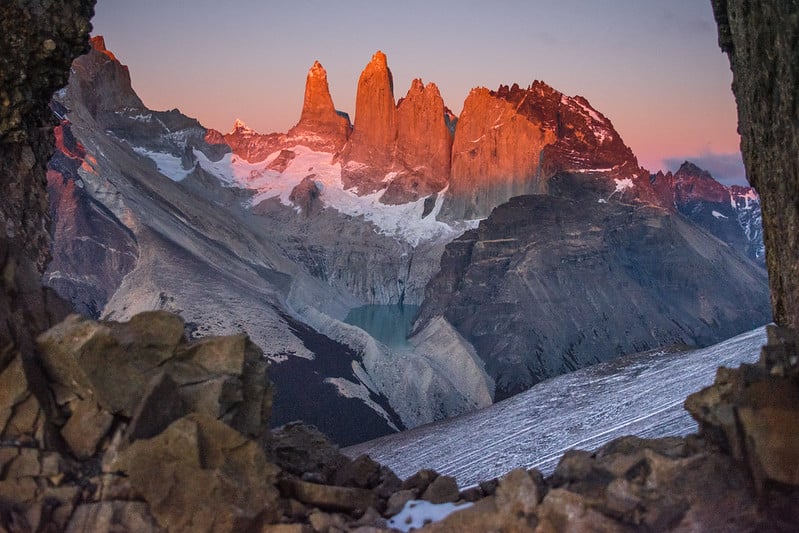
(211, 477)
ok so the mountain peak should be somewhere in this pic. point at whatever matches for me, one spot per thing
(319, 116)
(379, 58)
(688, 169)
(240, 127)
(98, 43)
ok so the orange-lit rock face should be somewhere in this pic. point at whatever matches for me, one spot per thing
(424, 145)
(374, 136)
(320, 126)
(98, 43)
(495, 155)
(514, 141)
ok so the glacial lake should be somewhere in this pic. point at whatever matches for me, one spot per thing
(389, 324)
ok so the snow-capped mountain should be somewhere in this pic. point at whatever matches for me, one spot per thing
(730, 213)
(282, 235)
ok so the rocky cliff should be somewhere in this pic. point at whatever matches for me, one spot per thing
(738, 474)
(757, 41)
(512, 141)
(39, 41)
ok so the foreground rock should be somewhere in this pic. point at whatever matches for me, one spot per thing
(759, 41)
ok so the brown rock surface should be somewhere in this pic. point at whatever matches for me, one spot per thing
(321, 127)
(112, 363)
(211, 478)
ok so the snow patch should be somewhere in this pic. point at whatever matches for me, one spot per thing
(403, 221)
(417, 513)
(718, 215)
(622, 184)
(168, 164)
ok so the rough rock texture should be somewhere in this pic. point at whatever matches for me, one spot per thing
(730, 213)
(401, 147)
(113, 363)
(760, 40)
(549, 284)
(321, 126)
(39, 41)
(753, 412)
(424, 145)
(102, 87)
(512, 141)
(370, 153)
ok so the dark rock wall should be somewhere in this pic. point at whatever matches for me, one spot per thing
(761, 39)
(38, 41)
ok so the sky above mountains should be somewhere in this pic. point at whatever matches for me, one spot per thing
(653, 67)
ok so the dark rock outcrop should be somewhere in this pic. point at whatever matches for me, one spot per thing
(39, 41)
(549, 284)
(760, 41)
(512, 141)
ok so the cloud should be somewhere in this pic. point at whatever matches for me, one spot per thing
(726, 168)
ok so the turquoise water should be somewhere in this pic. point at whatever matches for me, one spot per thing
(389, 324)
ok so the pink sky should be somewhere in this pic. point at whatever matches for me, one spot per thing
(654, 68)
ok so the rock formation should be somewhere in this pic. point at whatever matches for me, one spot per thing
(320, 126)
(404, 147)
(369, 155)
(108, 81)
(251, 145)
(92, 250)
(128, 426)
(39, 41)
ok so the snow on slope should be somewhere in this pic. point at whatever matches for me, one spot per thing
(403, 221)
(640, 395)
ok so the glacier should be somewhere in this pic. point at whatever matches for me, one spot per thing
(640, 394)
